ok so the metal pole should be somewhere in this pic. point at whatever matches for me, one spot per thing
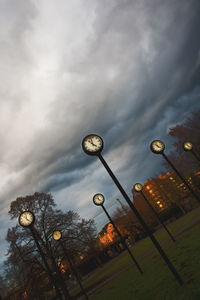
(73, 270)
(122, 240)
(46, 264)
(157, 215)
(155, 242)
(181, 177)
(195, 155)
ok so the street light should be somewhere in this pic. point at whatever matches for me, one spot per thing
(188, 147)
(138, 188)
(158, 147)
(57, 236)
(98, 200)
(27, 219)
(93, 145)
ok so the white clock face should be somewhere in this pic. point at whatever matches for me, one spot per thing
(157, 146)
(187, 146)
(57, 235)
(26, 218)
(92, 144)
(138, 187)
(98, 199)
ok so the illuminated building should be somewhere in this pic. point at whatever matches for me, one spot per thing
(167, 190)
(108, 235)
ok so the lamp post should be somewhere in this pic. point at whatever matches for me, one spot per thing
(158, 147)
(57, 236)
(93, 145)
(98, 200)
(26, 219)
(188, 147)
(138, 188)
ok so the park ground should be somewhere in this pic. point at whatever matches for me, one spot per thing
(119, 279)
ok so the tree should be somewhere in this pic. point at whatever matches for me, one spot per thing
(22, 247)
(128, 223)
(188, 131)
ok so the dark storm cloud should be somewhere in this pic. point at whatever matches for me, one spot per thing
(140, 60)
(126, 70)
(135, 68)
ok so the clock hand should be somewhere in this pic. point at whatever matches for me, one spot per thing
(158, 146)
(91, 142)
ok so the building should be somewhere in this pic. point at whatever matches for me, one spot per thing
(168, 190)
(108, 236)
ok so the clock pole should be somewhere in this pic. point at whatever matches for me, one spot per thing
(181, 177)
(195, 155)
(32, 229)
(122, 240)
(73, 269)
(57, 236)
(149, 233)
(158, 147)
(155, 212)
(188, 147)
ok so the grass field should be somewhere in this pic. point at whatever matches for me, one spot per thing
(157, 282)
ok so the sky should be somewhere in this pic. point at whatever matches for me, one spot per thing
(125, 70)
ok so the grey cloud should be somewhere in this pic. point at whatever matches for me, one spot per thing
(135, 72)
(111, 106)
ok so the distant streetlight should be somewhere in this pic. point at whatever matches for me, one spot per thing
(187, 146)
(26, 219)
(138, 188)
(158, 147)
(57, 236)
(98, 200)
(93, 145)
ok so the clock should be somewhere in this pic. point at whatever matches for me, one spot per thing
(57, 235)
(26, 218)
(187, 146)
(92, 144)
(98, 199)
(138, 187)
(157, 147)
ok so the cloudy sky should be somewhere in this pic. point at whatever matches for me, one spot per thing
(126, 70)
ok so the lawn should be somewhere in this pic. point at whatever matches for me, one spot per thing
(157, 282)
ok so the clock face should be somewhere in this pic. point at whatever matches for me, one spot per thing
(157, 146)
(57, 235)
(187, 146)
(98, 199)
(92, 144)
(26, 218)
(138, 187)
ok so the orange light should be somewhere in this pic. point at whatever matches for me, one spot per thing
(161, 205)
(158, 202)
(25, 295)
